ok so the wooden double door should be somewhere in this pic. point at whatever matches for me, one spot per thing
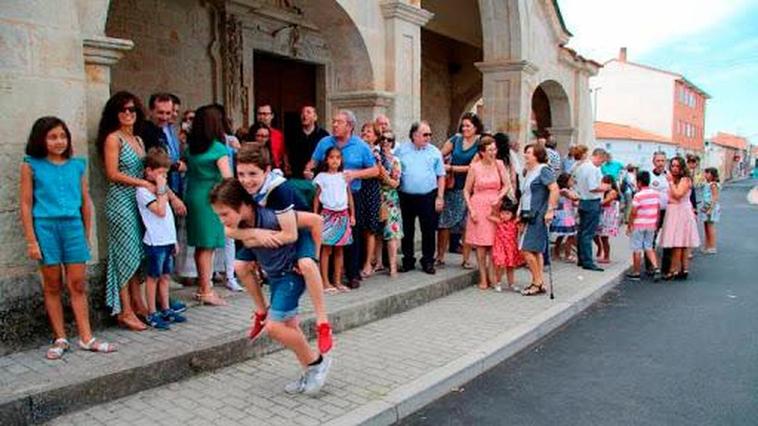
(287, 85)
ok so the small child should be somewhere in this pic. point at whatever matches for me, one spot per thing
(57, 218)
(643, 220)
(609, 220)
(711, 209)
(505, 252)
(160, 239)
(334, 201)
(564, 222)
(253, 225)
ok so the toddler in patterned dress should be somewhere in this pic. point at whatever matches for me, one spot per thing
(609, 220)
(506, 256)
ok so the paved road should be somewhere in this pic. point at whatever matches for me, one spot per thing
(682, 353)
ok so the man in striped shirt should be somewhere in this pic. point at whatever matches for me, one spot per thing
(642, 224)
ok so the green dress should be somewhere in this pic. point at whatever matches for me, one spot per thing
(204, 229)
(124, 226)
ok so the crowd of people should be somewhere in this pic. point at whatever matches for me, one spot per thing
(322, 211)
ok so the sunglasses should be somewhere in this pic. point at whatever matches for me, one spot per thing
(130, 110)
(426, 135)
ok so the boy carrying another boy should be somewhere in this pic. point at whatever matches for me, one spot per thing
(159, 239)
(253, 225)
(641, 226)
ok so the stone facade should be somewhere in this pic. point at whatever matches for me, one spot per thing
(408, 59)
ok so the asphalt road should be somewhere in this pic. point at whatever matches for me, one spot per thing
(678, 353)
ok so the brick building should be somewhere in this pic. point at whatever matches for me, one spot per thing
(660, 102)
(729, 154)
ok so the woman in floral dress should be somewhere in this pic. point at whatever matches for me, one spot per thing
(390, 208)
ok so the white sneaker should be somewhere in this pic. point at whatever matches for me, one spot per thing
(498, 288)
(233, 285)
(315, 376)
(297, 386)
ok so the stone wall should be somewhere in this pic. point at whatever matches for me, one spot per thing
(450, 83)
(172, 42)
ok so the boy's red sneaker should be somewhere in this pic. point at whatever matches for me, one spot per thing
(324, 337)
(256, 328)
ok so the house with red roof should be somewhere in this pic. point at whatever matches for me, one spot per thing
(640, 109)
(730, 154)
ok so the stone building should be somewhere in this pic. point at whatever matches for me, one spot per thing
(409, 59)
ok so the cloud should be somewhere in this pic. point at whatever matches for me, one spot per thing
(601, 27)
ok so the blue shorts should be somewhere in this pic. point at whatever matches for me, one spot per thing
(642, 239)
(159, 260)
(305, 248)
(61, 241)
(285, 296)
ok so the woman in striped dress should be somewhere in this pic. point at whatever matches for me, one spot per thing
(122, 152)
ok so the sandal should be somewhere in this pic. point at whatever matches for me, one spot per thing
(439, 263)
(59, 347)
(467, 265)
(379, 268)
(96, 346)
(210, 298)
(342, 288)
(366, 274)
(331, 290)
(533, 290)
(570, 259)
(131, 322)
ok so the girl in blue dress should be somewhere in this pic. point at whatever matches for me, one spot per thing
(57, 219)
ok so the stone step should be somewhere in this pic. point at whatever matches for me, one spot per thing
(382, 371)
(34, 390)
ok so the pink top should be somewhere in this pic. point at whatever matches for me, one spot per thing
(648, 203)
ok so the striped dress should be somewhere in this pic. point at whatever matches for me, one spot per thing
(125, 231)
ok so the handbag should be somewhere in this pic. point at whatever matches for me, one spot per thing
(526, 216)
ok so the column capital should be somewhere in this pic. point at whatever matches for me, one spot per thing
(108, 51)
(562, 131)
(400, 9)
(362, 99)
(507, 66)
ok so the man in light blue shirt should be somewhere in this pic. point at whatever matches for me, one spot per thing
(422, 190)
(359, 163)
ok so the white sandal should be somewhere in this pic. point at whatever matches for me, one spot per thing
(59, 347)
(96, 346)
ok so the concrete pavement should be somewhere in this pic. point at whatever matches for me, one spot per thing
(384, 370)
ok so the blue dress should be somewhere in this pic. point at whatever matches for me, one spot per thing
(453, 216)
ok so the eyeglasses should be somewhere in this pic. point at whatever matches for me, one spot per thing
(129, 110)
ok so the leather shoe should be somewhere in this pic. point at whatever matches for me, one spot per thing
(593, 268)
(429, 269)
(405, 268)
(353, 283)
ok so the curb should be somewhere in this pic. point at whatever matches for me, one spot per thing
(49, 401)
(409, 398)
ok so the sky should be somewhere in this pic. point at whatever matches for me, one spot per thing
(713, 43)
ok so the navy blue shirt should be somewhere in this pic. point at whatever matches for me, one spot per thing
(277, 261)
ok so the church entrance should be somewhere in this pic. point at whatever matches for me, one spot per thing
(287, 85)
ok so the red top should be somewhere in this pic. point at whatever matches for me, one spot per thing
(277, 147)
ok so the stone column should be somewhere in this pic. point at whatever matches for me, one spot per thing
(507, 97)
(564, 136)
(403, 22)
(100, 54)
(365, 104)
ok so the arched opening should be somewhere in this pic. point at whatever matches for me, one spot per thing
(451, 43)
(551, 114)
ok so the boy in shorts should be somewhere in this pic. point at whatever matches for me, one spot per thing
(642, 224)
(245, 221)
(268, 189)
(159, 239)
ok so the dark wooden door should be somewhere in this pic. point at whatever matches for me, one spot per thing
(287, 85)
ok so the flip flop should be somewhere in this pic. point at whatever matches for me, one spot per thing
(331, 290)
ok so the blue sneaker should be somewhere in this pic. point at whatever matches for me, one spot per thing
(170, 315)
(176, 305)
(156, 321)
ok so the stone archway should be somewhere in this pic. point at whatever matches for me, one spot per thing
(551, 113)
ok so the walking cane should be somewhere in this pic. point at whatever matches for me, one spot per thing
(550, 264)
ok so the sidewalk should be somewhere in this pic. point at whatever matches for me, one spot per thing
(382, 371)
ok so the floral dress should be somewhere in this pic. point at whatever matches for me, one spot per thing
(564, 222)
(609, 220)
(393, 228)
